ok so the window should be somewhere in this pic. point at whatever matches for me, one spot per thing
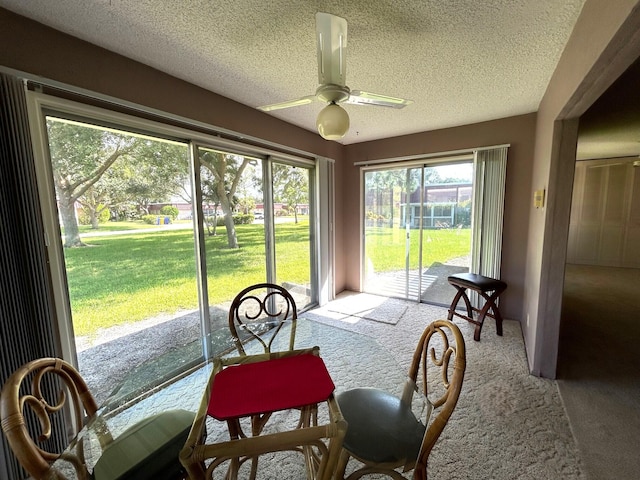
(157, 228)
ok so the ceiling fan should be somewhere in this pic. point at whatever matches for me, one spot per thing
(333, 120)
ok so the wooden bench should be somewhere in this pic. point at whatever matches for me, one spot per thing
(489, 288)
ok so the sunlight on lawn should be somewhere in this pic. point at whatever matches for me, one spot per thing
(385, 247)
(135, 276)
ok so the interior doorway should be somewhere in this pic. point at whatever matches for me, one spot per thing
(598, 359)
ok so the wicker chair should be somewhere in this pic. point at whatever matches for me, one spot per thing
(320, 444)
(259, 312)
(35, 460)
(383, 433)
(159, 455)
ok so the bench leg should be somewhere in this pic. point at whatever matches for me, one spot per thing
(496, 311)
(461, 294)
(489, 305)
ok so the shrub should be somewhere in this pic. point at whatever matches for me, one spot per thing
(170, 211)
(463, 214)
(219, 220)
(150, 219)
(238, 219)
(371, 215)
(243, 218)
(84, 219)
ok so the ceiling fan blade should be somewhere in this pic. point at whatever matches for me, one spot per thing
(331, 37)
(366, 98)
(288, 104)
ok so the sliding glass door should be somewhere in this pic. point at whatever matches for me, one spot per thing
(230, 186)
(446, 224)
(291, 219)
(127, 233)
(153, 236)
(417, 229)
(392, 232)
(255, 213)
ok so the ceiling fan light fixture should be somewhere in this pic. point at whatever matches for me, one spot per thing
(332, 122)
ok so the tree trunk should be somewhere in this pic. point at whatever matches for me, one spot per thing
(227, 210)
(215, 220)
(232, 239)
(93, 215)
(70, 224)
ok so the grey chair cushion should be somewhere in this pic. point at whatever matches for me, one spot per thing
(147, 450)
(380, 428)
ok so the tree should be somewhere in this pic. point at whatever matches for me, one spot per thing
(291, 187)
(157, 171)
(246, 204)
(170, 211)
(249, 191)
(85, 171)
(79, 156)
(225, 171)
(210, 199)
(382, 185)
(94, 202)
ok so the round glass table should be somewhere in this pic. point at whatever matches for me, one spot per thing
(352, 360)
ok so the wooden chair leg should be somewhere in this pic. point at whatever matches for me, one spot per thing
(341, 467)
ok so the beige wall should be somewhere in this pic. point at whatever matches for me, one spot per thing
(518, 131)
(605, 41)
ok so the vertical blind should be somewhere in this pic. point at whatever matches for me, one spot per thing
(488, 212)
(26, 306)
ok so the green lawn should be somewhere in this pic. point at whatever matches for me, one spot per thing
(133, 276)
(114, 227)
(385, 246)
(122, 278)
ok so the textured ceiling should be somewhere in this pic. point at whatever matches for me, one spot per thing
(460, 61)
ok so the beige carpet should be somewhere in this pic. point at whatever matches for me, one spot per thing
(372, 307)
(507, 425)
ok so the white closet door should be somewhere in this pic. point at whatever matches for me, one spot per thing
(631, 249)
(604, 229)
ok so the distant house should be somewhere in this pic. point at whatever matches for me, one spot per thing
(281, 209)
(444, 206)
